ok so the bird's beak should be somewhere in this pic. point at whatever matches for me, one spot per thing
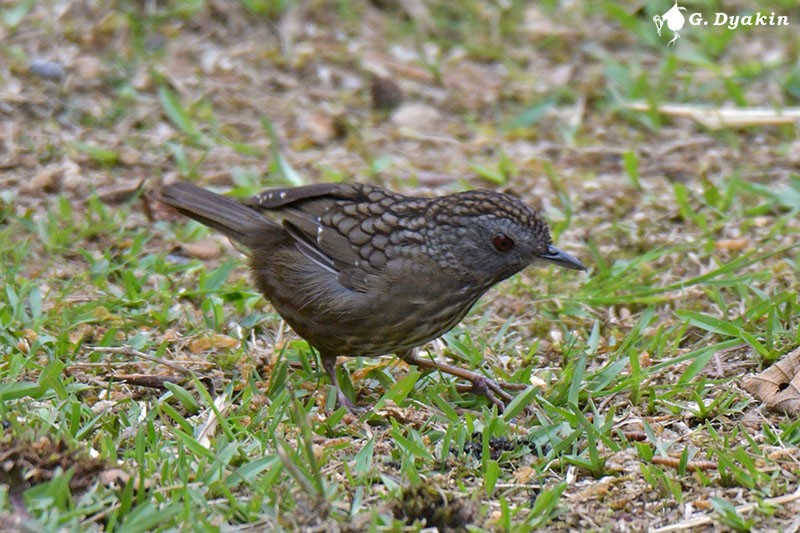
(562, 258)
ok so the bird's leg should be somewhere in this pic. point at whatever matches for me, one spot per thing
(329, 364)
(480, 384)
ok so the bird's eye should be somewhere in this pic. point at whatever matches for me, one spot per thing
(502, 242)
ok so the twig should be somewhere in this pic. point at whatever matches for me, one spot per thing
(724, 117)
(125, 363)
(703, 520)
(691, 466)
(127, 350)
(146, 380)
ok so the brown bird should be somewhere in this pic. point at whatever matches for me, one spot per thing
(357, 270)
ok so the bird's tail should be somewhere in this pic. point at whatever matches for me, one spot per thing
(235, 220)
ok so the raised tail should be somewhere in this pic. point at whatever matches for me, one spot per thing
(237, 221)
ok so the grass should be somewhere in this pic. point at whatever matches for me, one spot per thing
(145, 389)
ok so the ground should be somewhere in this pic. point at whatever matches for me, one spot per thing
(146, 385)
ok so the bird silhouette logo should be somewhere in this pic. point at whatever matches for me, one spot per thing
(674, 19)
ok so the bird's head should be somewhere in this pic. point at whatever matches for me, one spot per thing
(490, 236)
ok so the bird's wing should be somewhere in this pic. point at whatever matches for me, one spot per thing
(277, 198)
(301, 210)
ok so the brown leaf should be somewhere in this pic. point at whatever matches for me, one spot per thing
(204, 344)
(524, 474)
(316, 126)
(361, 373)
(778, 387)
(88, 68)
(115, 477)
(419, 117)
(203, 249)
(732, 245)
(47, 179)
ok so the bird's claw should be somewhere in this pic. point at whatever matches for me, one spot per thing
(495, 391)
(343, 401)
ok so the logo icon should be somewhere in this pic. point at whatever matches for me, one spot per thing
(674, 19)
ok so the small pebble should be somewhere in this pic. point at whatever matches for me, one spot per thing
(385, 92)
(44, 68)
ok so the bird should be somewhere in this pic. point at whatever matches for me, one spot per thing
(360, 271)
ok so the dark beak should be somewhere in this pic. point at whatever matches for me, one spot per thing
(562, 258)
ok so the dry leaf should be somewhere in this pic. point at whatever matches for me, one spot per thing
(418, 117)
(318, 127)
(732, 245)
(203, 249)
(88, 67)
(538, 382)
(361, 373)
(203, 344)
(47, 179)
(778, 387)
(114, 477)
(524, 474)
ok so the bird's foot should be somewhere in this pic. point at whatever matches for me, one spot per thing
(495, 391)
(489, 388)
(329, 364)
(343, 401)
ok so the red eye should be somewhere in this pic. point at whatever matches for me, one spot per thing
(502, 242)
